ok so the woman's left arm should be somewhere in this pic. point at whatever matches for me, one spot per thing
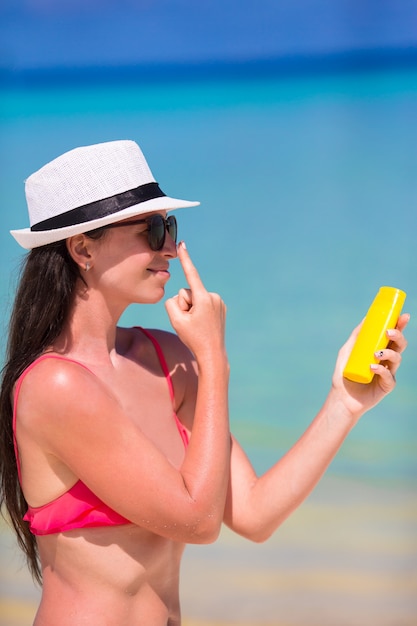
(256, 506)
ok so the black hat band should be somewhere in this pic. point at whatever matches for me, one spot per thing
(101, 208)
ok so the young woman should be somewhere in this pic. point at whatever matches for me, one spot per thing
(115, 442)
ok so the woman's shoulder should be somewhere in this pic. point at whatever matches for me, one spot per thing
(167, 346)
(51, 388)
(173, 349)
(52, 378)
(53, 368)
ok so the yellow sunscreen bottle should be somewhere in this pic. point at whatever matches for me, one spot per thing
(382, 315)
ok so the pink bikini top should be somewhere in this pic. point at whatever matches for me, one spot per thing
(79, 507)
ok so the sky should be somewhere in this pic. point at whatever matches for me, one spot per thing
(44, 34)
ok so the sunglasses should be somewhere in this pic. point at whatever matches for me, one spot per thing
(158, 226)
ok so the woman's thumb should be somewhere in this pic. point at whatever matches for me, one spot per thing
(185, 300)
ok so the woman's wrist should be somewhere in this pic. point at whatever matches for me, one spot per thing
(213, 358)
(341, 411)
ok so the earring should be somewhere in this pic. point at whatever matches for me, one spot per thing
(87, 267)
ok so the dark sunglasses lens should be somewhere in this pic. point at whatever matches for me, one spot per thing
(157, 228)
(172, 227)
(156, 234)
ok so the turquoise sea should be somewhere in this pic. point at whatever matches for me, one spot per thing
(308, 190)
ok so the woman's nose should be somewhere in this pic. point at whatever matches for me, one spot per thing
(170, 247)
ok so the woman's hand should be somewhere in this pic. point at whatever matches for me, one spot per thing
(358, 397)
(198, 317)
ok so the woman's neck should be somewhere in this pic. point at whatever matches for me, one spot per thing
(90, 332)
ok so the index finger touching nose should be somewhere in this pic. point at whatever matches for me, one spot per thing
(190, 271)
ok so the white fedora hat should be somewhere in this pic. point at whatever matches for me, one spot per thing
(89, 187)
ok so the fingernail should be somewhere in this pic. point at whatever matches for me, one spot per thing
(390, 333)
(182, 244)
(379, 354)
(373, 366)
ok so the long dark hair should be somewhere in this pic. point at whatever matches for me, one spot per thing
(42, 305)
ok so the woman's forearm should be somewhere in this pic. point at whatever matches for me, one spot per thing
(206, 466)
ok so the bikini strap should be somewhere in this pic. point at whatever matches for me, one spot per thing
(162, 360)
(181, 428)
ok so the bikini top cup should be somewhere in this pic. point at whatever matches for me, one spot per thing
(79, 507)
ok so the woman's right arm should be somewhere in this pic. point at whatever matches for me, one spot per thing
(199, 319)
(72, 416)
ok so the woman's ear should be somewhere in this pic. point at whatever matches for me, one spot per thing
(79, 248)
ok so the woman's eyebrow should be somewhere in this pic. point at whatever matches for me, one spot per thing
(131, 223)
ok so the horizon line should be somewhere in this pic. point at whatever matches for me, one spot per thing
(196, 70)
